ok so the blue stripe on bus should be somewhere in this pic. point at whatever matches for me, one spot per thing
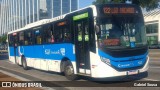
(125, 62)
(11, 49)
(48, 51)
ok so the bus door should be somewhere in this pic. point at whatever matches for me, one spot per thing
(81, 28)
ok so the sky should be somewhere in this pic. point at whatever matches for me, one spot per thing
(84, 3)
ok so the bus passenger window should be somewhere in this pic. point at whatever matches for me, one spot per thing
(58, 35)
(67, 35)
(16, 40)
(28, 38)
(21, 38)
(39, 40)
(52, 39)
(61, 36)
(62, 32)
(48, 33)
(11, 40)
(38, 37)
(26, 42)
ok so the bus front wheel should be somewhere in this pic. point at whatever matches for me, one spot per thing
(69, 71)
(24, 63)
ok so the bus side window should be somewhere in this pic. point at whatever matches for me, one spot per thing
(16, 40)
(21, 38)
(28, 38)
(58, 34)
(62, 32)
(38, 37)
(61, 35)
(11, 43)
(66, 35)
(91, 35)
(48, 34)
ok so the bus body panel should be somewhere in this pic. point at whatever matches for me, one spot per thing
(101, 70)
(52, 52)
(48, 57)
(125, 62)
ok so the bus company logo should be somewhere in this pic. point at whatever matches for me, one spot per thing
(47, 51)
(123, 65)
(63, 51)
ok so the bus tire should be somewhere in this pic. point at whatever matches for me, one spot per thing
(69, 71)
(24, 63)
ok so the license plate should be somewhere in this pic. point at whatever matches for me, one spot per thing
(132, 72)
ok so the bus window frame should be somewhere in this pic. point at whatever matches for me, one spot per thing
(21, 44)
(60, 30)
(11, 39)
(40, 33)
(16, 39)
(32, 37)
(49, 25)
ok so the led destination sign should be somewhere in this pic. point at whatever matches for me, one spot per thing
(119, 10)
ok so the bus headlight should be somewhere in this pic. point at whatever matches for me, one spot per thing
(105, 60)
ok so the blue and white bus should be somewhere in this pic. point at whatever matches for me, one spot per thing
(99, 41)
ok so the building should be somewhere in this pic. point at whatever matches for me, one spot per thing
(152, 23)
(55, 5)
(15, 14)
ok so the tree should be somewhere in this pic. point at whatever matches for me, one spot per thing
(3, 39)
(148, 4)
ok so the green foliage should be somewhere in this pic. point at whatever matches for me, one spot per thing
(148, 4)
(3, 39)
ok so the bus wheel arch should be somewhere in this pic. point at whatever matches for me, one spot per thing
(67, 69)
(24, 62)
(62, 64)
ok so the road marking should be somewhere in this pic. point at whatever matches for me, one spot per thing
(148, 79)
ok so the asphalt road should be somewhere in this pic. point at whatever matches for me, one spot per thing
(38, 75)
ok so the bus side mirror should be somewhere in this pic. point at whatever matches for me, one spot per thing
(97, 29)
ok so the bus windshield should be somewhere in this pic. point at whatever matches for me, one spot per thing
(121, 31)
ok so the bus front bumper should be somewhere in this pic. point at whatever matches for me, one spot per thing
(103, 70)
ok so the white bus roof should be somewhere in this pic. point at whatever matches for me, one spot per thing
(41, 22)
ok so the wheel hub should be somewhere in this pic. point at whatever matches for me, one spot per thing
(69, 70)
